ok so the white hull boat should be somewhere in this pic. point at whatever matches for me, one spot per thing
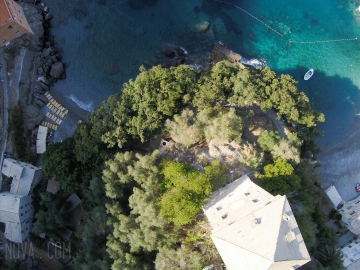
(308, 74)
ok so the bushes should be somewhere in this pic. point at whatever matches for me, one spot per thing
(335, 215)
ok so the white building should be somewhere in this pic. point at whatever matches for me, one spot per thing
(16, 212)
(334, 196)
(351, 215)
(41, 140)
(351, 255)
(25, 176)
(15, 206)
(252, 229)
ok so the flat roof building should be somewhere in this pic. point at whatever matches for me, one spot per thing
(15, 206)
(252, 229)
(25, 176)
(334, 196)
(41, 140)
(16, 212)
(13, 23)
(350, 212)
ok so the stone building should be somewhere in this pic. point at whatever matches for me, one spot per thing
(253, 229)
(13, 23)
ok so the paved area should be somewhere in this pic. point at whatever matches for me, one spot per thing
(4, 88)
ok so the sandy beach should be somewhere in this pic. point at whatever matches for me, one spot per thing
(68, 125)
(340, 162)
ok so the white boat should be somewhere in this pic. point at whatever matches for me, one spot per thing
(309, 74)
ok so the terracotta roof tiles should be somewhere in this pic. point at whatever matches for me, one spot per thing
(4, 13)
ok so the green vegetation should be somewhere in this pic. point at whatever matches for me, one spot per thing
(279, 177)
(17, 132)
(52, 218)
(250, 156)
(268, 139)
(152, 203)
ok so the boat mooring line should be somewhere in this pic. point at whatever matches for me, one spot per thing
(290, 41)
(322, 41)
(268, 26)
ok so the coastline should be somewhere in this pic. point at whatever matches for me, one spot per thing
(68, 126)
(340, 163)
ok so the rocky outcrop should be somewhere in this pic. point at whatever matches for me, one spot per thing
(202, 26)
(57, 70)
(221, 52)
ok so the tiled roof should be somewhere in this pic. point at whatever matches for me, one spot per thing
(4, 12)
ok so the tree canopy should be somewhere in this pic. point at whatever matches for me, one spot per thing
(279, 177)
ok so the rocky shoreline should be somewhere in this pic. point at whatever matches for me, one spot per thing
(34, 65)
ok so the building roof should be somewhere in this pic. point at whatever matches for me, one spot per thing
(260, 234)
(334, 196)
(5, 14)
(25, 176)
(234, 202)
(74, 201)
(12, 168)
(351, 254)
(16, 212)
(52, 186)
(41, 140)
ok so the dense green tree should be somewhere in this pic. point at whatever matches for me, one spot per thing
(115, 174)
(330, 257)
(185, 190)
(181, 258)
(215, 84)
(250, 156)
(59, 162)
(183, 129)
(52, 217)
(278, 178)
(89, 257)
(225, 127)
(216, 173)
(268, 139)
(286, 151)
(245, 93)
(155, 95)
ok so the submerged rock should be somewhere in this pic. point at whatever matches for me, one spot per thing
(202, 27)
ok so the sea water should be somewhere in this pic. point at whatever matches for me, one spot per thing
(105, 41)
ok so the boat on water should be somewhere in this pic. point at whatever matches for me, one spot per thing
(308, 74)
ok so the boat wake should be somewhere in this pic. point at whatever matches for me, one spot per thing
(254, 62)
(85, 106)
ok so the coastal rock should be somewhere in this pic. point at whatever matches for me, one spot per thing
(169, 53)
(54, 59)
(202, 26)
(44, 86)
(46, 52)
(40, 71)
(48, 17)
(40, 103)
(221, 52)
(43, 80)
(32, 111)
(43, 99)
(57, 70)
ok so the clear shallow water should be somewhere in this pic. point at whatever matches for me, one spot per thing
(104, 43)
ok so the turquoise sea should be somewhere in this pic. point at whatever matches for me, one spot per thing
(105, 41)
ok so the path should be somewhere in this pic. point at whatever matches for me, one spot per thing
(4, 88)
